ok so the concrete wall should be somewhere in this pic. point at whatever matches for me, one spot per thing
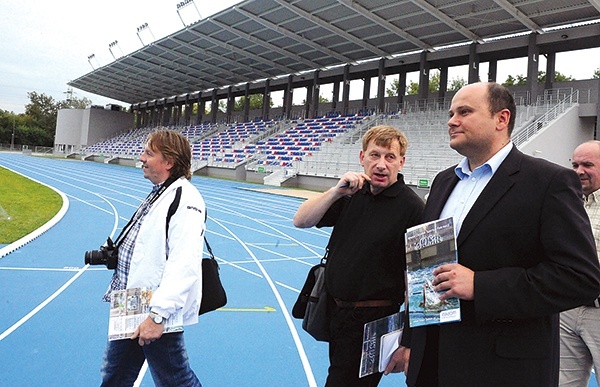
(77, 128)
(557, 141)
(69, 124)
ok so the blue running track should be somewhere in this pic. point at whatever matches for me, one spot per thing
(53, 325)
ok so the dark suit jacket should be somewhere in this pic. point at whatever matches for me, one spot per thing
(529, 241)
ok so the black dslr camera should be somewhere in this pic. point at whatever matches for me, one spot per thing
(107, 255)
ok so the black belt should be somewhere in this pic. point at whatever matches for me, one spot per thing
(364, 304)
(594, 304)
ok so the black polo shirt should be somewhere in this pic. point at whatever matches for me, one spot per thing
(366, 249)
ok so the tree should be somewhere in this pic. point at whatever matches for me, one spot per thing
(457, 84)
(434, 85)
(43, 109)
(41, 113)
(256, 102)
(518, 81)
(596, 73)
(558, 77)
(75, 103)
(521, 80)
(321, 100)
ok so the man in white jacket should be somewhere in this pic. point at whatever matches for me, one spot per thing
(167, 261)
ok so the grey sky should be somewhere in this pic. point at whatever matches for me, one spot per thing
(45, 44)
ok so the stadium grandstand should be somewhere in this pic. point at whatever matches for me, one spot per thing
(259, 47)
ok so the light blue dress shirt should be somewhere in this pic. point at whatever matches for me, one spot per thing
(470, 186)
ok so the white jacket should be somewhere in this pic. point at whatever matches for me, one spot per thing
(178, 279)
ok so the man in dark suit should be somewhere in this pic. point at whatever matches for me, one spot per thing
(525, 253)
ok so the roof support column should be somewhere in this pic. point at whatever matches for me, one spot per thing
(200, 108)
(335, 96)
(229, 103)
(176, 112)
(366, 93)
(266, 100)
(315, 95)
(492, 71)
(148, 116)
(550, 70)
(423, 76)
(247, 102)
(188, 110)
(443, 83)
(346, 90)
(307, 102)
(144, 116)
(162, 114)
(401, 88)
(169, 117)
(533, 54)
(381, 86)
(214, 106)
(473, 64)
(288, 98)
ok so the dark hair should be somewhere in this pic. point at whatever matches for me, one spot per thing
(174, 147)
(384, 135)
(500, 98)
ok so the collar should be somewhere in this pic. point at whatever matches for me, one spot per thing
(594, 197)
(463, 171)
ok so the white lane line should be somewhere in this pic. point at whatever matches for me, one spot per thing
(41, 306)
(59, 291)
(303, 358)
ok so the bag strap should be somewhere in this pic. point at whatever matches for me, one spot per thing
(212, 256)
(326, 256)
(172, 209)
(125, 230)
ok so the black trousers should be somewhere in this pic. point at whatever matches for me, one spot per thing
(345, 346)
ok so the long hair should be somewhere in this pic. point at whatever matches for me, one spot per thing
(174, 147)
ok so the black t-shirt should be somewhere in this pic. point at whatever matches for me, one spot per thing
(366, 250)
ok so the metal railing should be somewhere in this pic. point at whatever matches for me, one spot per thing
(563, 102)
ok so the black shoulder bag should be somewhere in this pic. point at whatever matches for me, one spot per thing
(311, 305)
(213, 293)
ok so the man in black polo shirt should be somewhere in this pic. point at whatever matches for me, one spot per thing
(369, 212)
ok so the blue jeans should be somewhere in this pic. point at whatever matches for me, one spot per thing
(167, 360)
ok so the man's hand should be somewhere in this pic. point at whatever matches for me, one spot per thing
(456, 280)
(399, 361)
(148, 331)
(352, 182)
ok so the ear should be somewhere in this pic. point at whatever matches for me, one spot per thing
(361, 156)
(503, 118)
(168, 164)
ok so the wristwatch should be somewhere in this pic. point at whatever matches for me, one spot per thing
(158, 319)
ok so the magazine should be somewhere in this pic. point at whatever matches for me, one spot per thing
(428, 246)
(380, 340)
(129, 308)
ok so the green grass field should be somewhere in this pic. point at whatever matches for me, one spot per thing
(24, 205)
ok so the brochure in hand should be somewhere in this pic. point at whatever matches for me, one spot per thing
(428, 246)
(129, 308)
(380, 340)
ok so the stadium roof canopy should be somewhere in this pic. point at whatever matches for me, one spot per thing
(267, 39)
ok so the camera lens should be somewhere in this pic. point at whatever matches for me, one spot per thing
(94, 257)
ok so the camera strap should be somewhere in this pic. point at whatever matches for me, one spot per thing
(148, 203)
